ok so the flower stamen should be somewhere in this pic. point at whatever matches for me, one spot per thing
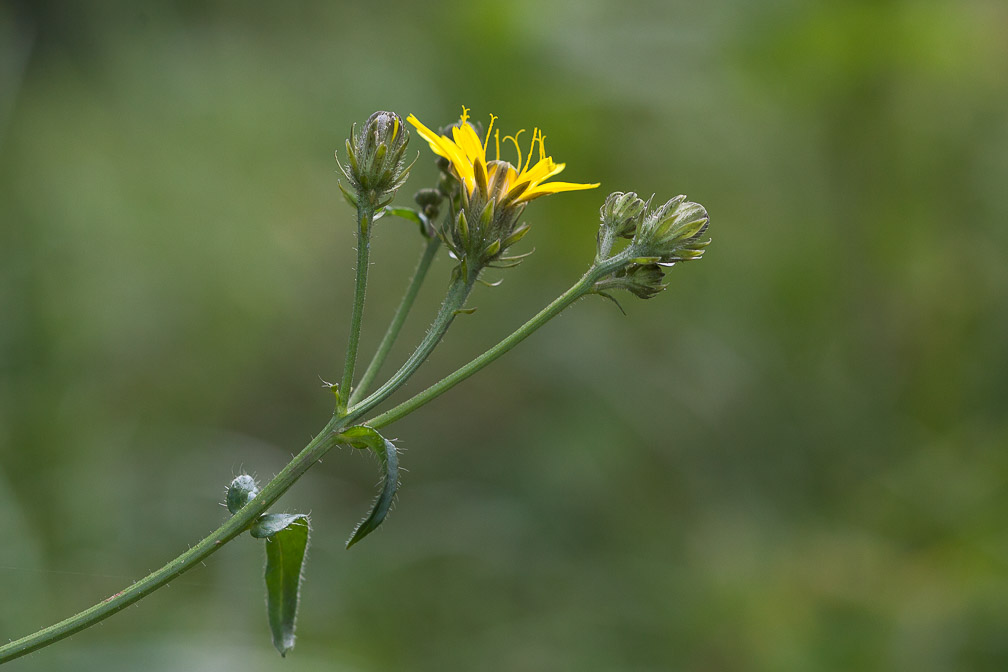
(514, 139)
(535, 137)
(486, 140)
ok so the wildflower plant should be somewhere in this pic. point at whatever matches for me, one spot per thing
(476, 210)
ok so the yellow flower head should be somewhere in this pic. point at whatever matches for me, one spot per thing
(467, 155)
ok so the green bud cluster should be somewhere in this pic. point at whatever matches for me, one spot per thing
(375, 165)
(666, 235)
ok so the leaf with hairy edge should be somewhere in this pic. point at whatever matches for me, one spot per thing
(365, 437)
(286, 536)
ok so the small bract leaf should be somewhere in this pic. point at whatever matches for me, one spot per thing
(286, 542)
(269, 524)
(366, 437)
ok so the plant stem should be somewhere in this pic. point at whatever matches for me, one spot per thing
(579, 289)
(365, 217)
(454, 301)
(239, 522)
(234, 526)
(430, 251)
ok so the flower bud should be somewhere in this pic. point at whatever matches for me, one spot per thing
(241, 491)
(673, 231)
(621, 213)
(642, 280)
(429, 201)
(375, 166)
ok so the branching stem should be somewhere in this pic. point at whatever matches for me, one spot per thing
(455, 300)
(579, 289)
(238, 523)
(419, 275)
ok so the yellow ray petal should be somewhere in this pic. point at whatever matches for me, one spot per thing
(432, 138)
(554, 188)
(464, 150)
(543, 170)
(468, 141)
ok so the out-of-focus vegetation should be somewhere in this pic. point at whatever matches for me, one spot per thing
(793, 459)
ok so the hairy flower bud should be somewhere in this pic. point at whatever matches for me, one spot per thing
(673, 231)
(375, 165)
(642, 280)
(241, 491)
(621, 213)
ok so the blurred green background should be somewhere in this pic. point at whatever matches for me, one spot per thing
(793, 459)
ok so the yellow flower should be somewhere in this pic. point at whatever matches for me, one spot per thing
(467, 155)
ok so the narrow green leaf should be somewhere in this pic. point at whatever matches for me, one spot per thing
(350, 198)
(286, 536)
(365, 437)
(612, 298)
(426, 227)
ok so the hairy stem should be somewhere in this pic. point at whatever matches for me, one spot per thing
(365, 217)
(234, 526)
(430, 251)
(238, 523)
(454, 301)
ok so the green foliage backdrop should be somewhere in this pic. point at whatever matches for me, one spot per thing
(793, 459)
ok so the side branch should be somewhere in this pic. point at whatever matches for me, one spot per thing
(419, 275)
(579, 289)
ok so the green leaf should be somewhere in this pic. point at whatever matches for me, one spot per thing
(365, 437)
(286, 536)
(426, 227)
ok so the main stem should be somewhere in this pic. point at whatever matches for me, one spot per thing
(234, 526)
(239, 522)
(430, 251)
(365, 217)
(455, 299)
